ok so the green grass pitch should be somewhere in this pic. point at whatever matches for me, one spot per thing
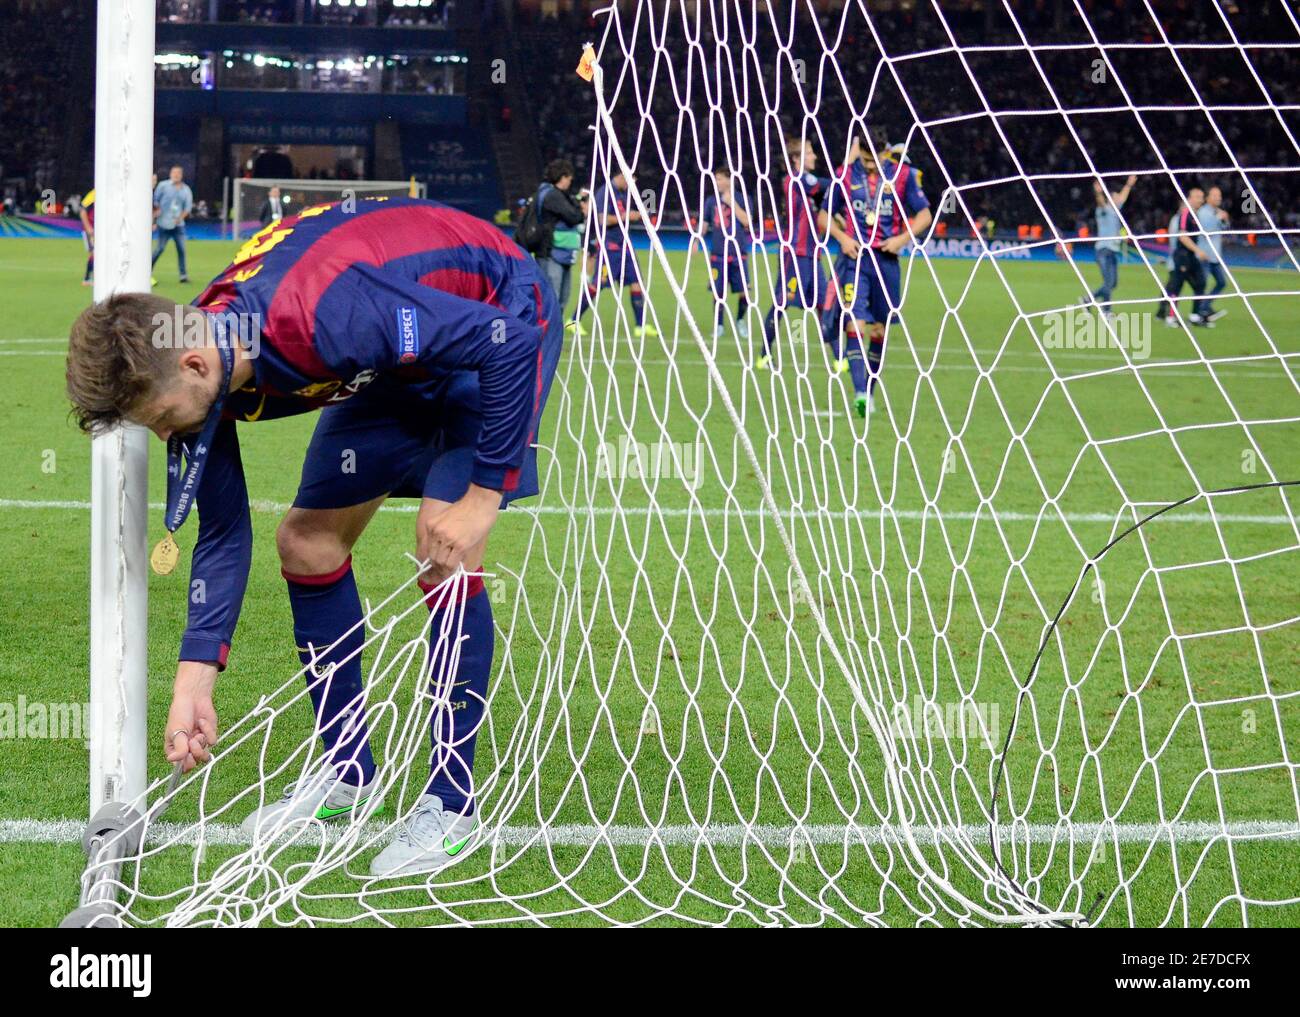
(937, 537)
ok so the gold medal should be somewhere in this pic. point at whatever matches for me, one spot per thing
(165, 555)
(871, 218)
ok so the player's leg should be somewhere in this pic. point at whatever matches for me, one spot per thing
(718, 288)
(1106, 264)
(782, 296)
(1220, 283)
(90, 258)
(846, 322)
(587, 295)
(360, 450)
(315, 547)
(460, 691)
(160, 245)
(179, 236)
(883, 302)
(629, 273)
(1196, 281)
(1168, 308)
(462, 634)
(737, 279)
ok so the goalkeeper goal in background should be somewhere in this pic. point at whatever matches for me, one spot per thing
(1017, 648)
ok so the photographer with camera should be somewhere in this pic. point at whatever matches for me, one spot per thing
(560, 216)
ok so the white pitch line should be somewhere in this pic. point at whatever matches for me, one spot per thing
(411, 506)
(70, 831)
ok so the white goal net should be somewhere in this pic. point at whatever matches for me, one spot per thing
(1018, 646)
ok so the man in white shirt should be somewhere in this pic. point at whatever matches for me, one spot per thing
(172, 202)
(1213, 218)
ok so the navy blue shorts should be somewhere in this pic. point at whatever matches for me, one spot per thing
(725, 275)
(614, 267)
(804, 283)
(871, 291)
(410, 441)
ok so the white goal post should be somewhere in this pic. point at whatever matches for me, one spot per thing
(124, 92)
(249, 193)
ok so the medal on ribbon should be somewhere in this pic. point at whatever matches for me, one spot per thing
(185, 464)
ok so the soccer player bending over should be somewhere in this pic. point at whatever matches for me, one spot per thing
(723, 217)
(428, 341)
(803, 281)
(868, 207)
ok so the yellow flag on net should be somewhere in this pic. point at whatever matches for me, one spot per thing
(587, 65)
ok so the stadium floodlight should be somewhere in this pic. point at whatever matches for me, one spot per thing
(250, 193)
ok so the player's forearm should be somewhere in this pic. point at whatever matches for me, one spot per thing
(1188, 242)
(920, 222)
(838, 232)
(223, 553)
(194, 677)
(508, 381)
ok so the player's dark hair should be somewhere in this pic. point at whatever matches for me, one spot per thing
(722, 171)
(556, 170)
(113, 362)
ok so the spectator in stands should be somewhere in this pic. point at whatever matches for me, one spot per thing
(561, 216)
(272, 207)
(172, 203)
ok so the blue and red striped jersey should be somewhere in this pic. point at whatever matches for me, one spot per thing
(804, 196)
(610, 200)
(395, 285)
(876, 206)
(727, 238)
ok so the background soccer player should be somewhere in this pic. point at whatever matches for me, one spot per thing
(428, 341)
(1109, 234)
(614, 261)
(88, 234)
(725, 220)
(869, 206)
(803, 283)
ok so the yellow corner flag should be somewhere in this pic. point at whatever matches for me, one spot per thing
(587, 65)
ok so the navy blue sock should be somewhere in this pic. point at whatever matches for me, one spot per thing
(875, 354)
(769, 331)
(831, 333)
(638, 308)
(325, 607)
(857, 366)
(453, 729)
